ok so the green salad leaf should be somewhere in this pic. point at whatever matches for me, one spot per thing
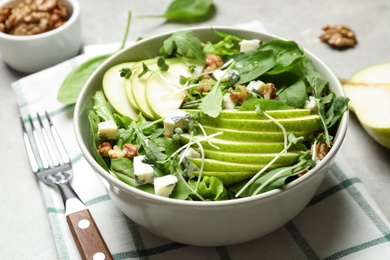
(252, 64)
(183, 43)
(76, 79)
(225, 47)
(184, 10)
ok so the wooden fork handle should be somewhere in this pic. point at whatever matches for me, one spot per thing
(86, 234)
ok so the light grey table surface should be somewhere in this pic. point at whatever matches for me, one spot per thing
(24, 228)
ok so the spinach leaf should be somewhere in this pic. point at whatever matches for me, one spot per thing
(295, 94)
(184, 10)
(183, 43)
(251, 65)
(76, 79)
(180, 191)
(288, 54)
(123, 165)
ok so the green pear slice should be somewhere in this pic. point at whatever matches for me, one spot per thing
(236, 146)
(163, 93)
(115, 92)
(277, 114)
(306, 123)
(289, 158)
(228, 178)
(369, 93)
(249, 136)
(221, 166)
(138, 87)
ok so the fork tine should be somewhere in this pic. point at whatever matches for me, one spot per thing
(27, 143)
(53, 157)
(57, 140)
(41, 153)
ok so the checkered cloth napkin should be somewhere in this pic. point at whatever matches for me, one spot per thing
(341, 221)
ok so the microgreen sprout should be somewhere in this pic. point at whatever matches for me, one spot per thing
(292, 140)
(262, 112)
(278, 174)
(162, 64)
(125, 72)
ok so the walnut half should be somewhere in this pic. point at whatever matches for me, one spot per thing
(32, 17)
(338, 36)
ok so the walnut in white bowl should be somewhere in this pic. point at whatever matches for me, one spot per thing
(36, 34)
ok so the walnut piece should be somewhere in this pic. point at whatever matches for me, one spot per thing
(240, 94)
(32, 17)
(104, 149)
(268, 91)
(338, 36)
(130, 150)
(213, 61)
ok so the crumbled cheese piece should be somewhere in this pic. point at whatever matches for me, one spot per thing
(178, 119)
(107, 129)
(311, 104)
(228, 102)
(223, 76)
(190, 166)
(255, 85)
(163, 186)
(143, 172)
(249, 45)
(116, 152)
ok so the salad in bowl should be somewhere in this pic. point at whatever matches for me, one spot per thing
(211, 126)
(214, 121)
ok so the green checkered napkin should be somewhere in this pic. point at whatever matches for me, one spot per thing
(341, 221)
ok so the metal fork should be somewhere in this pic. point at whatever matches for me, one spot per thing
(55, 168)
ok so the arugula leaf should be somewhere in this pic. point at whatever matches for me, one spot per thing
(76, 79)
(212, 103)
(252, 64)
(183, 43)
(184, 10)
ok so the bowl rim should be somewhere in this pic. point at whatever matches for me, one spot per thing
(118, 184)
(72, 19)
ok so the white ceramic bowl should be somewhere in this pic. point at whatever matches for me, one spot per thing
(32, 53)
(195, 222)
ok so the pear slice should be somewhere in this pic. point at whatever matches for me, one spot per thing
(114, 90)
(250, 136)
(237, 146)
(228, 178)
(369, 93)
(289, 158)
(163, 93)
(306, 123)
(277, 114)
(222, 166)
(138, 87)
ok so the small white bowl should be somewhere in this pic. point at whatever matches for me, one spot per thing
(32, 53)
(214, 223)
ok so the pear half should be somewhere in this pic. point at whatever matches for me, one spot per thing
(369, 93)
